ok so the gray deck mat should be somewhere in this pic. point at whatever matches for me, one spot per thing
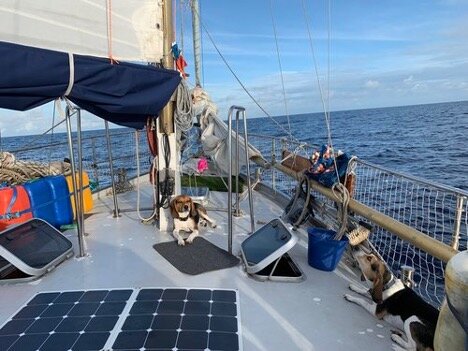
(199, 257)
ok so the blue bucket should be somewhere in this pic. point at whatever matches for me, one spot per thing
(324, 253)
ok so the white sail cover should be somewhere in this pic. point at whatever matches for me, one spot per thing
(214, 137)
(83, 27)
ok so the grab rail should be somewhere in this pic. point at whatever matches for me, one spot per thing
(239, 110)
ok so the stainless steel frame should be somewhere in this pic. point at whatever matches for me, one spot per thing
(239, 110)
(69, 112)
(116, 212)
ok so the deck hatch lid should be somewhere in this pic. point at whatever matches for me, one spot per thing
(34, 247)
(266, 245)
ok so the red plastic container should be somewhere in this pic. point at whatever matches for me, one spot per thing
(14, 200)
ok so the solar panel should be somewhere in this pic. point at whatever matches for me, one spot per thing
(126, 319)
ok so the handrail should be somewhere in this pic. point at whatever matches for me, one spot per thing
(423, 241)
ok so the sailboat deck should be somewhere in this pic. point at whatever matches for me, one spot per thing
(311, 315)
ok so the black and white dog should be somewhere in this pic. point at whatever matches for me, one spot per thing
(396, 304)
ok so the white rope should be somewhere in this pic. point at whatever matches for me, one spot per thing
(295, 152)
(340, 191)
(153, 169)
(183, 114)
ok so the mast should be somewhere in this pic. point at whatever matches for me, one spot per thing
(169, 178)
(167, 116)
(196, 40)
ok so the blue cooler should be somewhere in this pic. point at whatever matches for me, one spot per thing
(324, 253)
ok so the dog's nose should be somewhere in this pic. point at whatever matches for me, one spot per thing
(185, 207)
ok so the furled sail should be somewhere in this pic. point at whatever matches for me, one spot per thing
(129, 30)
(124, 93)
(214, 136)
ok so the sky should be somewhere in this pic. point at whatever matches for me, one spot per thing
(380, 53)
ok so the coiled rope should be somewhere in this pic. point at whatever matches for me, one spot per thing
(13, 171)
(183, 114)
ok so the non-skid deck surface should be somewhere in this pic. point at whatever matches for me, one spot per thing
(126, 319)
(198, 257)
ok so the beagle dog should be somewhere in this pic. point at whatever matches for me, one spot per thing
(188, 216)
(395, 303)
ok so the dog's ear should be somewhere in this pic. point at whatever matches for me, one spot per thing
(377, 289)
(174, 212)
(193, 209)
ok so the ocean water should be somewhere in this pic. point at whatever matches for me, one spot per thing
(428, 141)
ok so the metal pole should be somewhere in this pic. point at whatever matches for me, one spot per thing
(73, 174)
(456, 229)
(166, 120)
(80, 170)
(229, 207)
(273, 161)
(196, 40)
(116, 212)
(247, 161)
(237, 213)
(95, 165)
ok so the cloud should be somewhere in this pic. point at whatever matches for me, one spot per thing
(408, 80)
(372, 84)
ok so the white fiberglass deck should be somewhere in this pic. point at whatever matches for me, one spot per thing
(311, 315)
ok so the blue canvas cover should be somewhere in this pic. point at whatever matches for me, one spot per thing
(122, 93)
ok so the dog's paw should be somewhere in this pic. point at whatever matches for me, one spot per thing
(400, 341)
(190, 240)
(348, 297)
(397, 348)
(202, 223)
(353, 287)
(396, 332)
(181, 242)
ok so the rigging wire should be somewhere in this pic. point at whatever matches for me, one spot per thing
(280, 66)
(324, 105)
(182, 18)
(33, 140)
(51, 139)
(338, 189)
(202, 51)
(238, 79)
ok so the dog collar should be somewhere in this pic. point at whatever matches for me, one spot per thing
(390, 283)
(387, 286)
(183, 219)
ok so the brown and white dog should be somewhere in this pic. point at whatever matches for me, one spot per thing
(188, 217)
(396, 304)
